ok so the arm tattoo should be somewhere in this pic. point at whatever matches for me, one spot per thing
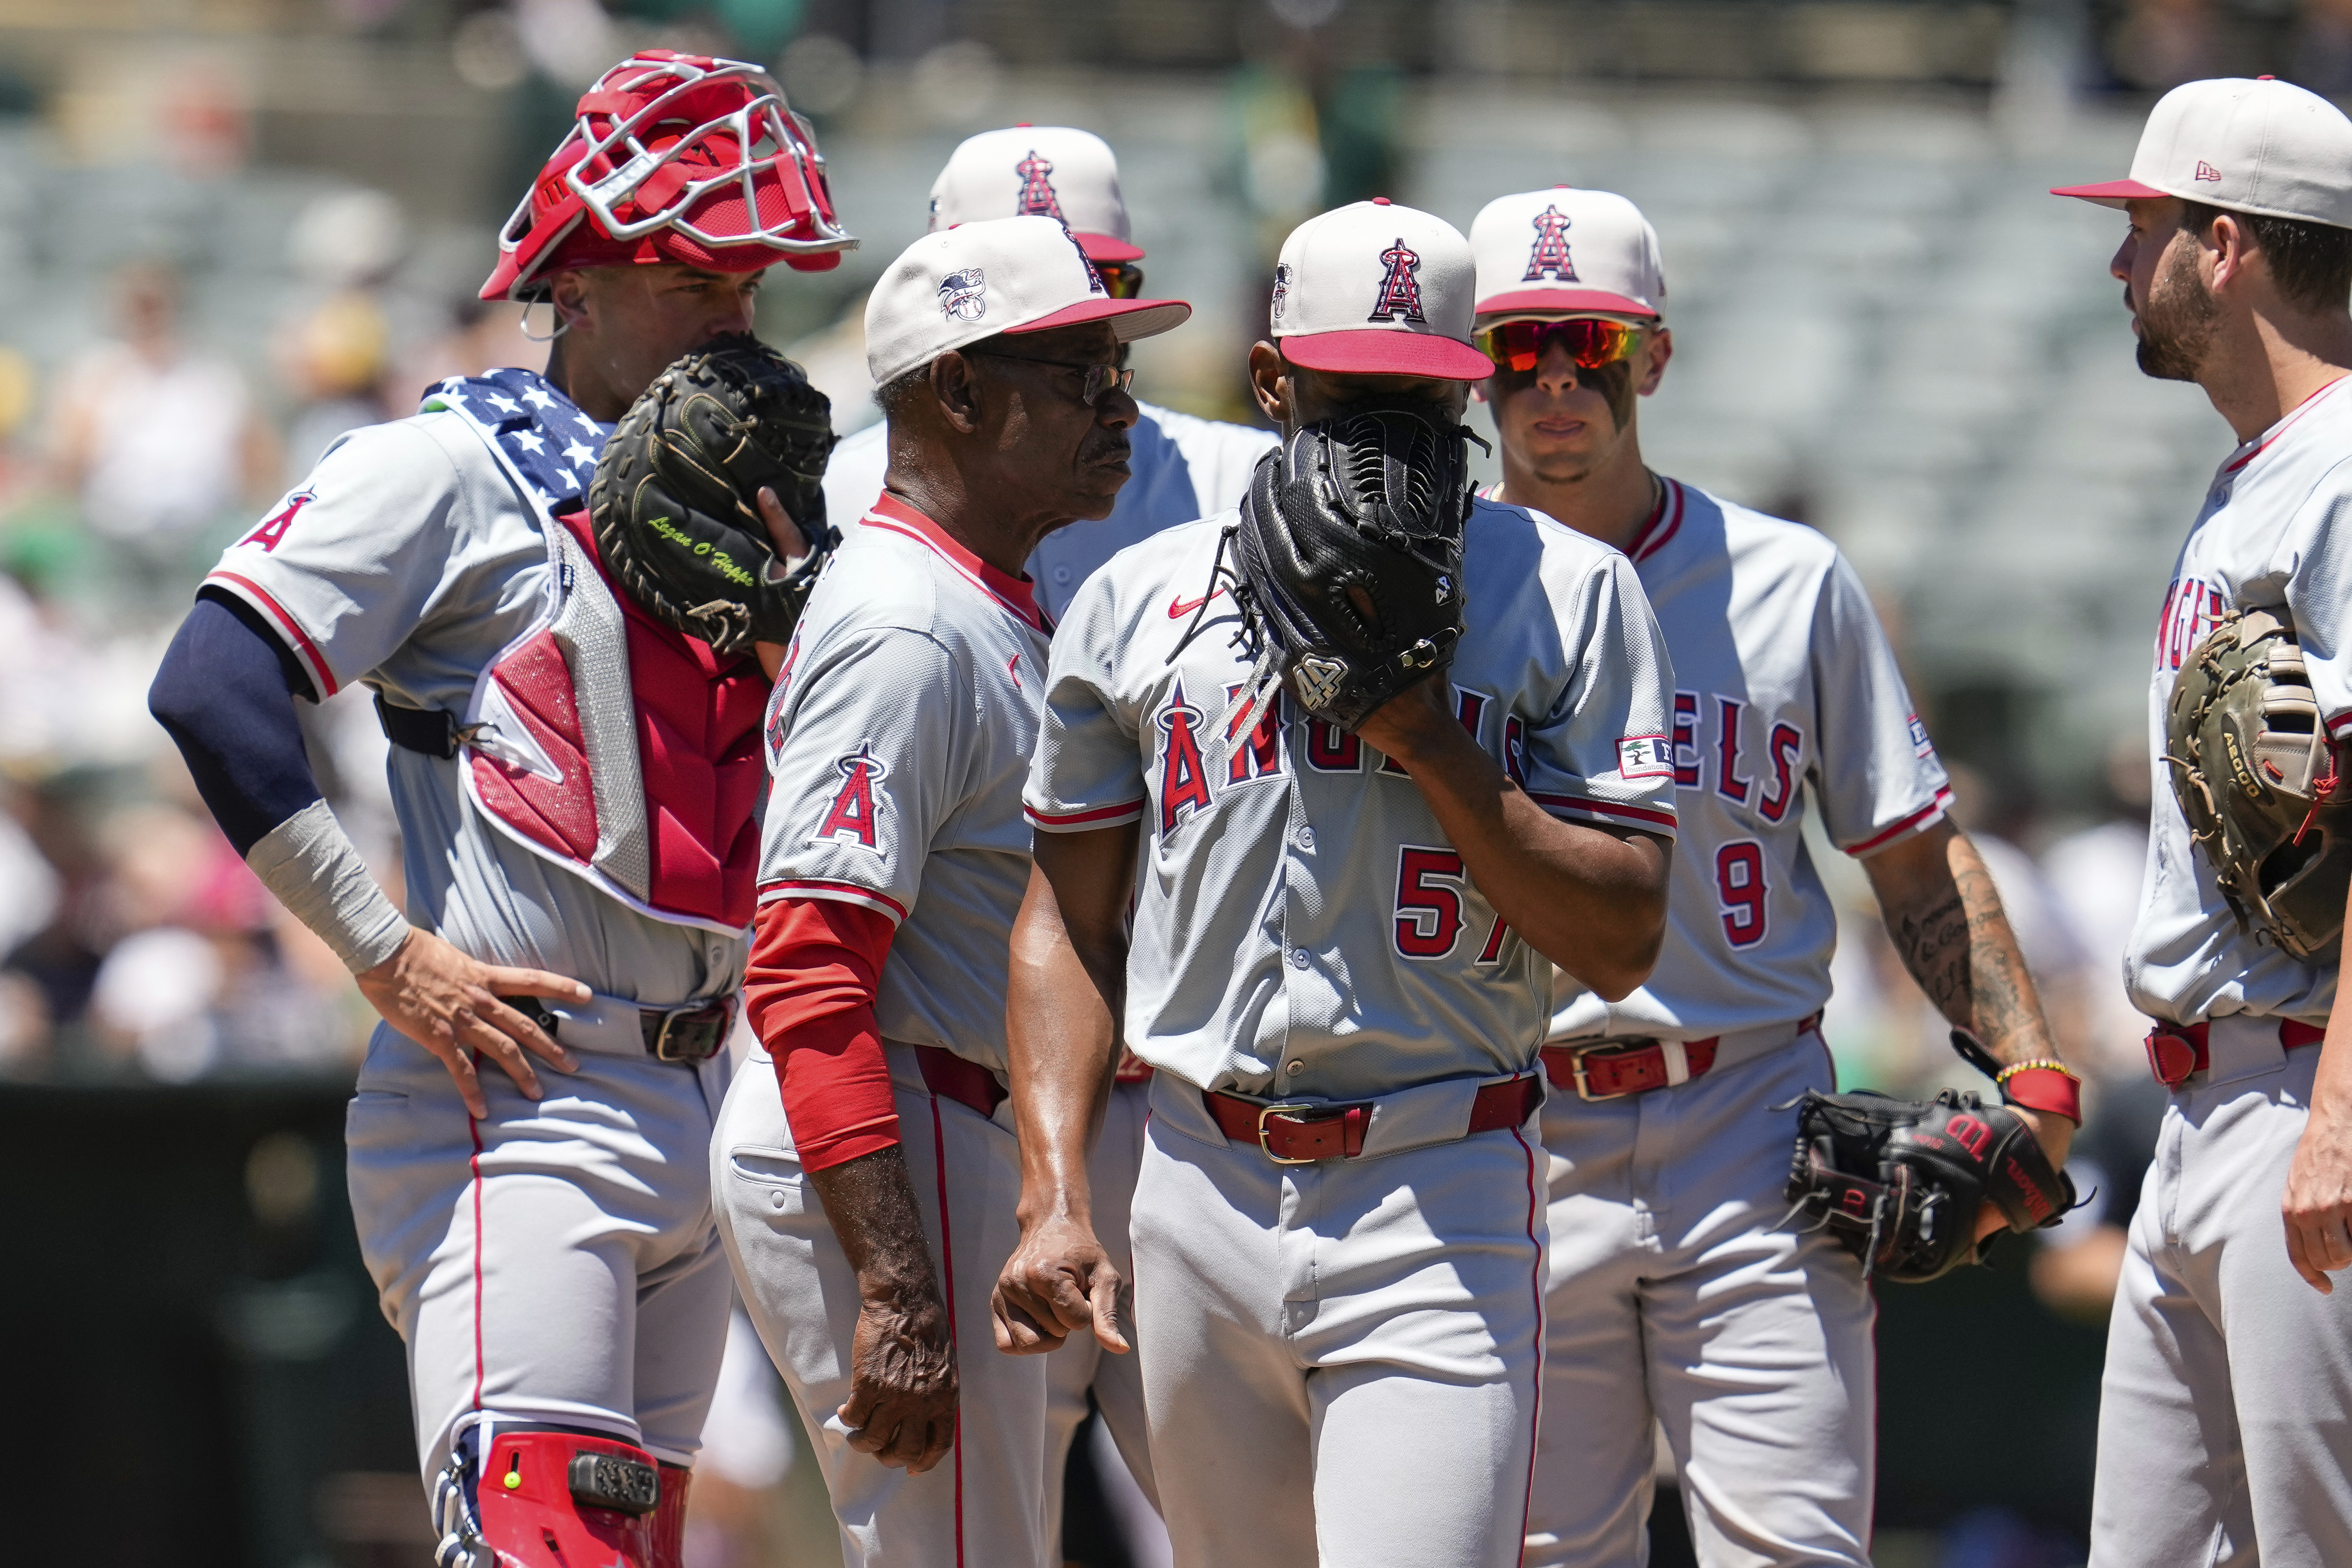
(1956, 941)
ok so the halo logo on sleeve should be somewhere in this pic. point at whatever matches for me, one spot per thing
(1037, 198)
(1547, 258)
(1644, 756)
(273, 527)
(850, 818)
(1400, 297)
(964, 295)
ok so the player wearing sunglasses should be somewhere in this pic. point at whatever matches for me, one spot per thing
(1676, 1294)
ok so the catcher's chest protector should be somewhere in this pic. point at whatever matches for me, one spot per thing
(622, 749)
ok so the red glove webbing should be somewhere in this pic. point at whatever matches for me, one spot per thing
(815, 964)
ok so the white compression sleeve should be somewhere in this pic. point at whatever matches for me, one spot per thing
(317, 873)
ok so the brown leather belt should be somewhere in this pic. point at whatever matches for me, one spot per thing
(1298, 1133)
(950, 1077)
(1613, 1069)
(2177, 1049)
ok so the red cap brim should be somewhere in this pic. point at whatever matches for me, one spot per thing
(1566, 301)
(1387, 352)
(2110, 192)
(1130, 319)
(1103, 247)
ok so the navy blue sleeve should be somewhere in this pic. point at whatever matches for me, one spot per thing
(225, 693)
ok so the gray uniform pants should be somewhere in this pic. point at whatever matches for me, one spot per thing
(1678, 1295)
(2225, 1419)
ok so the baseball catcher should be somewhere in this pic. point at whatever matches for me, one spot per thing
(2255, 777)
(676, 495)
(1900, 1183)
(1349, 551)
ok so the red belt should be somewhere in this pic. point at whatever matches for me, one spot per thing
(1611, 1069)
(2177, 1049)
(950, 1077)
(1300, 1134)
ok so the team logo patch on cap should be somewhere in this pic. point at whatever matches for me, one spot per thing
(1547, 258)
(1037, 199)
(1400, 297)
(1644, 756)
(2207, 172)
(964, 295)
(1281, 287)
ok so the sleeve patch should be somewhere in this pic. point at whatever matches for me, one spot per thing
(1644, 756)
(1921, 746)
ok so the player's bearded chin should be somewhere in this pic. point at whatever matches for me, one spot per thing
(2176, 322)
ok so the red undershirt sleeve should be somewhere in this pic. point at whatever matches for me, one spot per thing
(815, 964)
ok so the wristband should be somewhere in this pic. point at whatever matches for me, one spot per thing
(317, 873)
(2042, 1085)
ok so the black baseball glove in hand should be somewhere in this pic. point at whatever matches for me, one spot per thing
(1900, 1183)
(676, 498)
(1348, 559)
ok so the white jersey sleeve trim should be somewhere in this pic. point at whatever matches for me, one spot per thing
(881, 903)
(1575, 806)
(253, 593)
(1919, 821)
(1082, 821)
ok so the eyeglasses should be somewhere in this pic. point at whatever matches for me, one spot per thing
(1120, 279)
(1099, 378)
(1590, 342)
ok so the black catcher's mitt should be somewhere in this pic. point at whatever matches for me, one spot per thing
(1348, 560)
(675, 500)
(1900, 1182)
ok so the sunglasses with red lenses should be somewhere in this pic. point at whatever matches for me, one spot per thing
(1590, 342)
(1121, 279)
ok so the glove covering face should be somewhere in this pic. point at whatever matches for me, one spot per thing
(2256, 778)
(1348, 560)
(675, 501)
(1899, 1183)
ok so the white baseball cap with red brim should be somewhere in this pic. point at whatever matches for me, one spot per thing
(1567, 252)
(1373, 288)
(1008, 274)
(2259, 145)
(1043, 172)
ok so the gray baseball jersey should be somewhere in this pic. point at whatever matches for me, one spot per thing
(1302, 925)
(2266, 534)
(898, 739)
(1181, 468)
(1784, 683)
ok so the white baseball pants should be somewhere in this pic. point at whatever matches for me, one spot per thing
(557, 1262)
(1677, 1295)
(983, 1505)
(1082, 1363)
(2223, 1416)
(1343, 1358)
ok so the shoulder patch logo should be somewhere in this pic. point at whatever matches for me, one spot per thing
(963, 296)
(1920, 745)
(273, 527)
(1399, 296)
(1037, 199)
(850, 818)
(1644, 756)
(1547, 258)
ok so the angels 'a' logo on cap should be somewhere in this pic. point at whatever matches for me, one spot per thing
(1281, 287)
(1399, 296)
(1037, 199)
(964, 295)
(1094, 278)
(1547, 258)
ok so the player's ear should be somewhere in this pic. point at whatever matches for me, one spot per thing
(955, 382)
(1269, 376)
(1659, 350)
(567, 291)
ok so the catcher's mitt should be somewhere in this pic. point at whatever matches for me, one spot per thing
(675, 500)
(2256, 778)
(1900, 1182)
(1348, 560)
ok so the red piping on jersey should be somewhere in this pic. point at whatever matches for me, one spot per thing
(1602, 809)
(1079, 819)
(946, 1269)
(249, 588)
(1668, 511)
(847, 891)
(1017, 594)
(1919, 819)
(474, 1164)
(2306, 406)
(1535, 1423)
